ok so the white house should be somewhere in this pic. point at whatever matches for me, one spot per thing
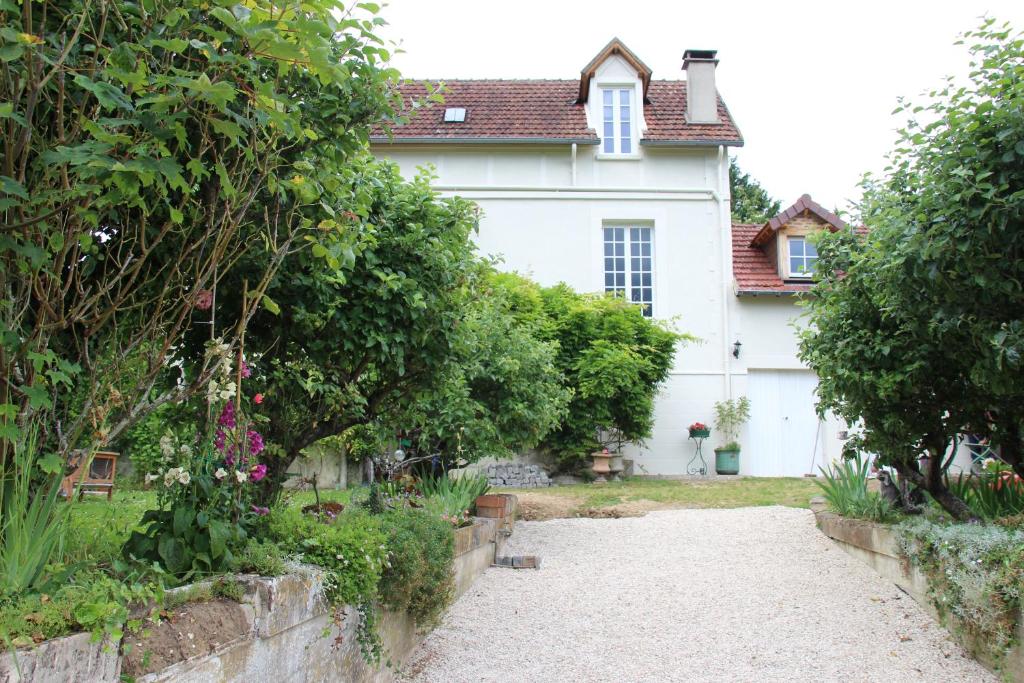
(616, 181)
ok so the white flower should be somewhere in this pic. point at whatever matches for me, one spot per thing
(184, 477)
(212, 389)
(185, 449)
(225, 366)
(220, 473)
(166, 445)
(171, 475)
(241, 476)
(228, 391)
(150, 478)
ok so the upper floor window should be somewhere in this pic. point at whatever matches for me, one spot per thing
(628, 264)
(803, 257)
(617, 119)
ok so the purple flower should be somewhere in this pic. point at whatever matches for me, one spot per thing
(260, 510)
(229, 460)
(219, 440)
(257, 472)
(255, 442)
(227, 416)
(246, 370)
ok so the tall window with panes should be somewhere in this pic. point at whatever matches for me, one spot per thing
(617, 118)
(629, 264)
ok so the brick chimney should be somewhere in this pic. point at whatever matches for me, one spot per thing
(701, 94)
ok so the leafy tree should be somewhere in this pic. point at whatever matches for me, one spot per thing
(751, 203)
(361, 334)
(614, 359)
(919, 331)
(502, 392)
(146, 147)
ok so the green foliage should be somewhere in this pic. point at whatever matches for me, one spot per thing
(228, 588)
(845, 487)
(351, 549)
(149, 146)
(916, 330)
(501, 391)
(751, 203)
(363, 335)
(451, 498)
(993, 494)
(261, 557)
(614, 359)
(730, 416)
(975, 574)
(89, 601)
(142, 441)
(419, 576)
(33, 523)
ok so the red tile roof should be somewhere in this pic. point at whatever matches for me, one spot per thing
(546, 111)
(753, 271)
(805, 203)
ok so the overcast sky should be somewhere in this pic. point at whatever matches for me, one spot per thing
(811, 84)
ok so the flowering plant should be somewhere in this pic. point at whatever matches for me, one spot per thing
(205, 494)
(699, 429)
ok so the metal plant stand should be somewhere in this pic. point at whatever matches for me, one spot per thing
(692, 467)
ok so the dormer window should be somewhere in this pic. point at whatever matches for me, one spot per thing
(617, 119)
(454, 115)
(803, 257)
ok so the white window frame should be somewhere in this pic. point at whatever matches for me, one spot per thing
(634, 121)
(800, 275)
(628, 271)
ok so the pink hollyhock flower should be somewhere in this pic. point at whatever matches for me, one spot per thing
(255, 442)
(257, 399)
(260, 510)
(227, 416)
(246, 370)
(257, 472)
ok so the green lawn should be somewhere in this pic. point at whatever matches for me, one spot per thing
(635, 496)
(98, 528)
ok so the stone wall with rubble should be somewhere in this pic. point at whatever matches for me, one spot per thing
(516, 475)
(275, 633)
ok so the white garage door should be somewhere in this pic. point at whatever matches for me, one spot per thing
(783, 433)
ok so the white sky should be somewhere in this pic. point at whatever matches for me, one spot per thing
(811, 84)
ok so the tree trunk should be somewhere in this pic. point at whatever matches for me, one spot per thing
(934, 485)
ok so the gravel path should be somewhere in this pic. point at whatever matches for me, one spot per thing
(754, 594)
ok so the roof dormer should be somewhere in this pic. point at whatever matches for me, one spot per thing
(778, 257)
(615, 48)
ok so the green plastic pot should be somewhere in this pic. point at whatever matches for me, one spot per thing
(727, 461)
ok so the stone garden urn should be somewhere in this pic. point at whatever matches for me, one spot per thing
(602, 464)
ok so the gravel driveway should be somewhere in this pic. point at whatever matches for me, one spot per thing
(753, 594)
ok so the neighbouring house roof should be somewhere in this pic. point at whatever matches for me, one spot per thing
(754, 272)
(546, 112)
(805, 203)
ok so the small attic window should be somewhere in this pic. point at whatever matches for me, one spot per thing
(454, 114)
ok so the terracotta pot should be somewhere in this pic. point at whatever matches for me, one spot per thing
(602, 464)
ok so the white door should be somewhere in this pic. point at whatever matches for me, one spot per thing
(784, 438)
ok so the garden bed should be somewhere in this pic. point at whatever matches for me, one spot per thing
(275, 632)
(878, 545)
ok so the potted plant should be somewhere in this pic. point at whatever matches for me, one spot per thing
(730, 416)
(699, 430)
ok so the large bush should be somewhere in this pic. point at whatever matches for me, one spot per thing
(614, 359)
(917, 331)
(146, 147)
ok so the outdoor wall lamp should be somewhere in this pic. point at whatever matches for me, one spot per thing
(736, 349)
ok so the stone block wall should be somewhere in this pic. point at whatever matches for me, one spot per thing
(276, 633)
(516, 475)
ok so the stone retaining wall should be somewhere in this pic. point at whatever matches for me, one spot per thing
(516, 475)
(276, 633)
(876, 544)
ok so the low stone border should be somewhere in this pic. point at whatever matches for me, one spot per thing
(276, 633)
(876, 544)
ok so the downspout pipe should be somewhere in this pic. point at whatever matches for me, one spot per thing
(574, 164)
(725, 218)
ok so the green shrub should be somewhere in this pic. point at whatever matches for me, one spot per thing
(418, 577)
(451, 498)
(975, 573)
(264, 558)
(846, 489)
(993, 494)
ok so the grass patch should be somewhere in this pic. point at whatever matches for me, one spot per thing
(643, 493)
